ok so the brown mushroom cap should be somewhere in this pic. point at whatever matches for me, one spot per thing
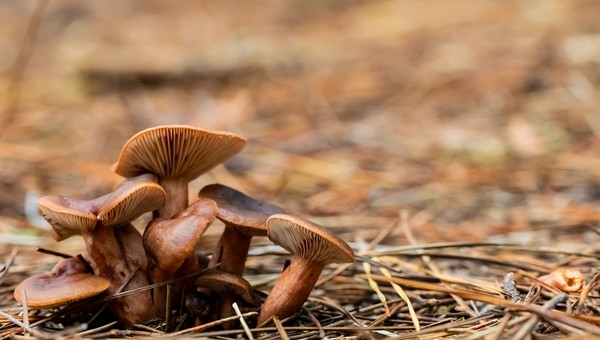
(176, 151)
(132, 198)
(67, 216)
(313, 247)
(199, 304)
(308, 240)
(240, 211)
(226, 283)
(168, 242)
(67, 282)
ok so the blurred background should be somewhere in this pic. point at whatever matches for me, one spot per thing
(475, 120)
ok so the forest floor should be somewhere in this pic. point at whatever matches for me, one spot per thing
(454, 146)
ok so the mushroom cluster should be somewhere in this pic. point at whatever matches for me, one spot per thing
(158, 163)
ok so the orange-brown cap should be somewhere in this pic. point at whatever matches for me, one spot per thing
(569, 280)
(70, 216)
(226, 283)
(135, 196)
(308, 240)
(168, 242)
(240, 211)
(176, 151)
(67, 282)
(67, 216)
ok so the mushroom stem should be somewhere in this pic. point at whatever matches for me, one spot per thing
(177, 197)
(117, 255)
(156, 275)
(226, 310)
(228, 288)
(169, 245)
(176, 190)
(291, 289)
(231, 251)
(190, 265)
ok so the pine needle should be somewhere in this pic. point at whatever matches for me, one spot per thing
(405, 298)
(375, 287)
(95, 330)
(25, 313)
(242, 321)
(280, 329)
(585, 291)
(202, 327)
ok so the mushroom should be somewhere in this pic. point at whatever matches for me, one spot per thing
(169, 243)
(176, 154)
(313, 247)
(68, 281)
(114, 245)
(568, 280)
(230, 288)
(200, 305)
(244, 217)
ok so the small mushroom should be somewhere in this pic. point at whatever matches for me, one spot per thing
(68, 281)
(313, 248)
(568, 280)
(200, 305)
(230, 288)
(114, 245)
(176, 154)
(169, 243)
(244, 217)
